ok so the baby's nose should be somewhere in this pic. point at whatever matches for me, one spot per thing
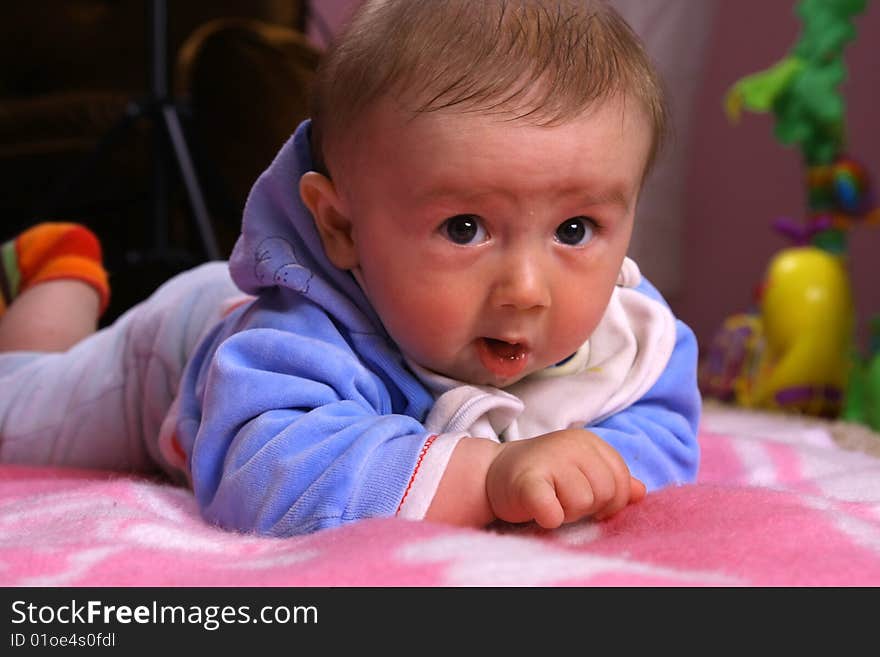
(523, 285)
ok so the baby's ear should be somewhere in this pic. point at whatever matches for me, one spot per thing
(320, 197)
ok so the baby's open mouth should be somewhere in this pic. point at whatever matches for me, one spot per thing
(505, 350)
(503, 359)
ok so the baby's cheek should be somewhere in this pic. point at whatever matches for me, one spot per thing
(425, 331)
(576, 321)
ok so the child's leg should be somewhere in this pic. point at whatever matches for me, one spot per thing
(101, 403)
(53, 287)
(50, 317)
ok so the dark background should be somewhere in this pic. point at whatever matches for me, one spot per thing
(237, 76)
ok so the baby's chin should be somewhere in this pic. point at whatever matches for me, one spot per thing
(481, 377)
(498, 369)
(506, 382)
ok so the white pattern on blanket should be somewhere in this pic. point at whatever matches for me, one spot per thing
(777, 503)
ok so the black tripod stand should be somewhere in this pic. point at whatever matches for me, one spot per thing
(160, 109)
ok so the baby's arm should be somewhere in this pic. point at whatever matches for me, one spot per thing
(650, 444)
(558, 477)
(461, 497)
(289, 433)
(657, 435)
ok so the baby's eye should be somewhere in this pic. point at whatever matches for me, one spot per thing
(575, 231)
(464, 229)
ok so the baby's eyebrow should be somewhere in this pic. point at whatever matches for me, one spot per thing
(613, 196)
(605, 194)
(452, 192)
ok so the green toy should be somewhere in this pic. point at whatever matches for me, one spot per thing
(863, 394)
(801, 91)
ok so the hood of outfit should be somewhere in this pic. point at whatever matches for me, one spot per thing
(279, 245)
(298, 412)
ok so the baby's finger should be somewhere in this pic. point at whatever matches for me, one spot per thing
(538, 498)
(637, 490)
(623, 487)
(578, 494)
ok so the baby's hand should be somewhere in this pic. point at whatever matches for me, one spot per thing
(560, 477)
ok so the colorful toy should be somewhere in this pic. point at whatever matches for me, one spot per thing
(806, 313)
(731, 360)
(794, 351)
(801, 92)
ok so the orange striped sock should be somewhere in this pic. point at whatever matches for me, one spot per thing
(51, 251)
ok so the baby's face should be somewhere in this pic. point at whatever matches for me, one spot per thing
(490, 248)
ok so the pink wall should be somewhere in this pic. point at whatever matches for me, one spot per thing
(740, 177)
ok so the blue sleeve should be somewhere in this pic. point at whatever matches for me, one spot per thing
(657, 435)
(296, 434)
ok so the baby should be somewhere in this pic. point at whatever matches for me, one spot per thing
(440, 320)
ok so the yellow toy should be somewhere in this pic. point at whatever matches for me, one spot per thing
(807, 318)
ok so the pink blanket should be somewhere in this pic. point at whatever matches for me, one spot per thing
(777, 503)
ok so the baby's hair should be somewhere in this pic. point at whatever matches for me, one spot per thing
(545, 61)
